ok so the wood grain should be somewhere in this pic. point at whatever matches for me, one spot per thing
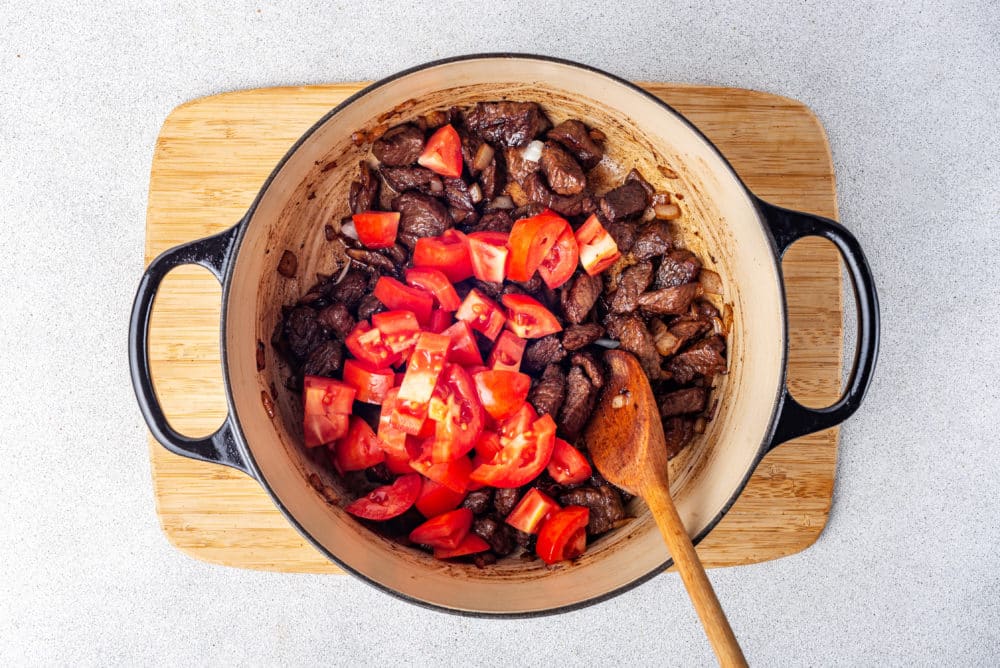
(212, 156)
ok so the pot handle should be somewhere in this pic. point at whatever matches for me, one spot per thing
(794, 419)
(212, 253)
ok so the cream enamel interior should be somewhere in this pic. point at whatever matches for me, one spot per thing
(720, 223)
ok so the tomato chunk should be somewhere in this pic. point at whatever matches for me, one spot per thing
(463, 350)
(564, 535)
(359, 449)
(560, 263)
(461, 416)
(527, 318)
(598, 249)
(326, 403)
(518, 423)
(366, 343)
(426, 364)
(521, 459)
(471, 544)
(568, 466)
(488, 252)
(453, 474)
(449, 253)
(530, 241)
(443, 153)
(445, 531)
(507, 352)
(435, 282)
(440, 321)
(397, 296)
(399, 330)
(534, 508)
(502, 392)
(388, 501)
(435, 498)
(482, 313)
(371, 384)
(486, 448)
(376, 229)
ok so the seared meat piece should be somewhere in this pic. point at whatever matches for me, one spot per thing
(494, 221)
(606, 508)
(703, 358)
(573, 135)
(653, 240)
(373, 259)
(518, 169)
(579, 296)
(479, 501)
(567, 205)
(590, 366)
(628, 199)
(400, 146)
(456, 191)
(507, 123)
(687, 328)
(402, 179)
(325, 359)
(541, 352)
(351, 288)
(706, 310)
(677, 268)
(337, 319)
(303, 332)
(561, 171)
(497, 533)
(504, 500)
(634, 175)
(578, 336)
(579, 404)
(678, 432)
(493, 178)
(364, 191)
(623, 233)
(484, 559)
(399, 255)
(420, 216)
(681, 402)
(631, 331)
(548, 392)
(369, 306)
(633, 282)
(669, 301)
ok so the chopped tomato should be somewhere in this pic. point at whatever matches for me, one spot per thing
(326, 403)
(530, 241)
(522, 458)
(507, 352)
(463, 350)
(435, 498)
(534, 508)
(568, 465)
(560, 263)
(527, 318)
(445, 531)
(564, 535)
(360, 448)
(371, 384)
(426, 364)
(487, 446)
(376, 229)
(440, 321)
(397, 465)
(482, 313)
(397, 444)
(397, 296)
(366, 343)
(461, 416)
(435, 282)
(399, 329)
(388, 501)
(471, 544)
(488, 252)
(502, 392)
(518, 423)
(598, 249)
(443, 153)
(453, 474)
(448, 253)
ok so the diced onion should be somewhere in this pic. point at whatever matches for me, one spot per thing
(667, 211)
(484, 154)
(533, 151)
(476, 193)
(349, 231)
(502, 202)
(699, 425)
(710, 281)
(661, 198)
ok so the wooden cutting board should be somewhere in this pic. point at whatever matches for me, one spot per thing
(214, 153)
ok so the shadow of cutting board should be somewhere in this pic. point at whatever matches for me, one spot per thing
(214, 153)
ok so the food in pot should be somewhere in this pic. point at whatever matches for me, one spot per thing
(448, 372)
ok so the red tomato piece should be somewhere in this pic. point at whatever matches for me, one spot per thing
(530, 241)
(507, 352)
(435, 282)
(376, 229)
(517, 424)
(440, 321)
(399, 329)
(527, 318)
(482, 313)
(568, 466)
(598, 249)
(453, 474)
(486, 449)
(392, 440)
(560, 263)
(471, 544)
(502, 392)
(461, 421)
(488, 252)
(425, 366)
(564, 535)
(360, 448)
(443, 153)
(323, 429)
(448, 253)
(371, 384)
(445, 531)
(534, 508)
(435, 498)
(397, 296)
(326, 405)
(388, 501)
(522, 458)
(464, 350)
(366, 343)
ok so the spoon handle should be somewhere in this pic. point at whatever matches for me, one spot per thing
(713, 619)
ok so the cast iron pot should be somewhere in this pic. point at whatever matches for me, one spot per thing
(745, 236)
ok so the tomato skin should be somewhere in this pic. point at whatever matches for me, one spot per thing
(435, 498)
(326, 405)
(426, 364)
(461, 423)
(399, 329)
(559, 265)
(482, 313)
(517, 424)
(376, 229)
(453, 474)
(568, 466)
(323, 429)
(507, 352)
(522, 458)
(448, 253)
(534, 508)
(486, 448)
(435, 282)
(502, 393)
(366, 343)
(528, 318)
(471, 544)
(388, 501)
(359, 449)
(530, 241)
(445, 531)
(440, 321)
(463, 350)
(399, 297)
(488, 253)
(564, 535)
(371, 384)
(443, 153)
(598, 249)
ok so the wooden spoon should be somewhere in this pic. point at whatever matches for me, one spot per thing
(625, 438)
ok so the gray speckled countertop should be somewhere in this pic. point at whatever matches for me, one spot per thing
(906, 572)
